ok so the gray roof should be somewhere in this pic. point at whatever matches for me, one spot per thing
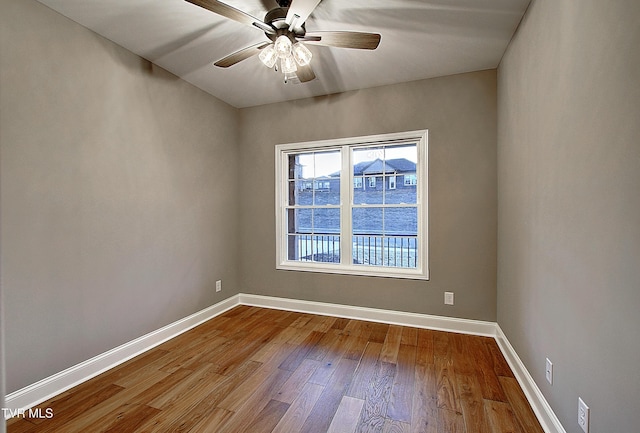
(397, 165)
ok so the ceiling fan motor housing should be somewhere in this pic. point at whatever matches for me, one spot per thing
(276, 18)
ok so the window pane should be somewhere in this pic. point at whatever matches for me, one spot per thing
(327, 164)
(300, 192)
(300, 220)
(314, 248)
(367, 221)
(299, 247)
(326, 248)
(326, 220)
(367, 250)
(401, 221)
(400, 251)
(328, 191)
(301, 165)
(314, 178)
(402, 194)
(364, 159)
(367, 195)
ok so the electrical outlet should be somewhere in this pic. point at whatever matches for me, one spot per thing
(218, 285)
(448, 298)
(583, 415)
(548, 372)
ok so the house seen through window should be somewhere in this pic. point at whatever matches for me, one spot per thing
(355, 206)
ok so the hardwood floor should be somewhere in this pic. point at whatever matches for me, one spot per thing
(261, 370)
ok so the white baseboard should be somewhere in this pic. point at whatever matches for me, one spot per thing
(51, 386)
(548, 419)
(440, 323)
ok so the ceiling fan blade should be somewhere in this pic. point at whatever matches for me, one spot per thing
(241, 55)
(360, 40)
(232, 13)
(305, 73)
(299, 11)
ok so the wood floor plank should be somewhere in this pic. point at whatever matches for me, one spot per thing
(425, 353)
(72, 406)
(501, 417)
(391, 345)
(252, 369)
(401, 397)
(102, 412)
(184, 386)
(129, 418)
(294, 385)
(378, 332)
(358, 328)
(500, 365)
(256, 386)
(202, 409)
(409, 336)
(323, 346)
(377, 398)
(520, 406)
(490, 385)
(392, 426)
(325, 408)
(268, 417)
(324, 324)
(447, 393)
(356, 347)
(215, 418)
(294, 360)
(472, 404)
(330, 362)
(424, 415)
(365, 371)
(247, 410)
(299, 410)
(450, 421)
(347, 416)
(340, 323)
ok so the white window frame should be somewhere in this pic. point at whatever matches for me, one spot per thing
(372, 181)
(345, 145)
(392, 181)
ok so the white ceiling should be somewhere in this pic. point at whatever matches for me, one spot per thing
(420, 39)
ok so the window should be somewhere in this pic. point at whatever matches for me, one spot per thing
(410, 179)
(344, 227)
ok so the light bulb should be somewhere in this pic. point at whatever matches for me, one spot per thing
(301, 54)
(288, 65)
(268, 56)
(282, 46)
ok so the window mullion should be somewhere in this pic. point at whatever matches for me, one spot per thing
(346, 182)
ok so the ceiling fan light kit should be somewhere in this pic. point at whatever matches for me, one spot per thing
(284, 26)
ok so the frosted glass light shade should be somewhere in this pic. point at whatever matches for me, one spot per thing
(282, 46)
(268, 56)
(302, 54)
(288, 65)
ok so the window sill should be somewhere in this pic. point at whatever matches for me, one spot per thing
(364, 271)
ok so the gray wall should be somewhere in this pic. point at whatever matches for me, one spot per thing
(118, 190)
(460, 113)
(569, 205)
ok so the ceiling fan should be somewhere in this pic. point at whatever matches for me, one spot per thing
(285, 28)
